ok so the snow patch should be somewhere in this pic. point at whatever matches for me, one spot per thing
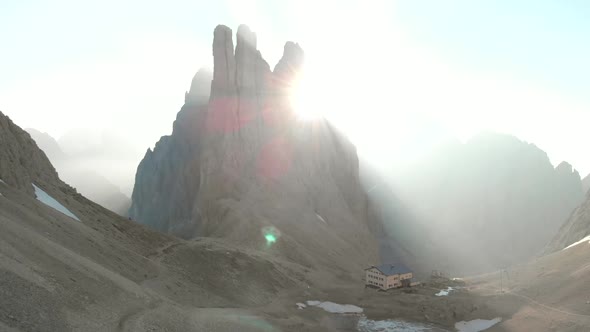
(300, 305)
(586, 239)
(336, 308)
(44, 198)
(444, 292)
(2, 181)
(477, 325)
(367, 325)
(322, 219)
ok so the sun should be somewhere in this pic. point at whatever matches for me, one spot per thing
(306, 99)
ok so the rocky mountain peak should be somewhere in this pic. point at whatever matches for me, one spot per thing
(566, 168)
(224, 62)
(240, 165)
(292, 59)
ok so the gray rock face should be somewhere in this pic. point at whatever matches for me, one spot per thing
(586, 183)
(21, 161)
(243, 166)
(167, 179)
(577, 226)
(574, 229)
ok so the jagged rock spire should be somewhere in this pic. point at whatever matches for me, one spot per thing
(291, 61)
(200, 87)
(224, 62)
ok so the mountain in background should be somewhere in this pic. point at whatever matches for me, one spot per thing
(87, 182)
(240, 165)
(489, 203)
(586, 183)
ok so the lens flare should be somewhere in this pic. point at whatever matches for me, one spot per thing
(270, 239)
(271, 235)
(305, 99)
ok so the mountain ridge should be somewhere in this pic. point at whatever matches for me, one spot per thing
(493, 201)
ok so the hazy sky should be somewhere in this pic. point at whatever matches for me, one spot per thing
(381, 70)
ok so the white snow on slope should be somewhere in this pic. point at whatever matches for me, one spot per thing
(444, 292)
(44, 198)
(300, 305)
(336, 308)
(2, 181)
(367, 325)
(320, 218)
(586, 239)
(477, 325)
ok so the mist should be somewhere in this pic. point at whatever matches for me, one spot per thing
(90, 164)
(474, 202)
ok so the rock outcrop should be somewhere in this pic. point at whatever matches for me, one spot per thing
(241, 166)
(586, 184)
(21, 161)
(577, 226)
(574, 229)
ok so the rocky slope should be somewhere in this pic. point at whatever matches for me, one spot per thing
(491, 202)
(105, 273)
(543, 294)
(241, 166)
(88, 183)
(574, 229)
(586, 183)
(21, 162)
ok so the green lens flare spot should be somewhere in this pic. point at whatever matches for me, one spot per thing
(271, 234)
(270, 238)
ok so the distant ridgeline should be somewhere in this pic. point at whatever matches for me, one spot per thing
(486, 204)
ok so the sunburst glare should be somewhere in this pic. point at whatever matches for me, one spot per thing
(306, 99)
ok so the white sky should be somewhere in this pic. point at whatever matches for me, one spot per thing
(375, 68)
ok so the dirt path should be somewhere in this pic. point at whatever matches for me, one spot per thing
(535, 302)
